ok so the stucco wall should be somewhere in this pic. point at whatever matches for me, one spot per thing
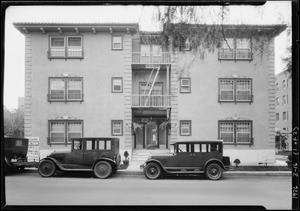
(100, 105)
(201, 106)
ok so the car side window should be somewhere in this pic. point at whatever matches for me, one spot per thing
(77, 144)
(214, 148)
(203, 148)
(181, 148)
(90, 145)
(197, 148)
(108, 145)
(101, 144)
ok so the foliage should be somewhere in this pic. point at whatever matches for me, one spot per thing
(14, 123)
(288, 61)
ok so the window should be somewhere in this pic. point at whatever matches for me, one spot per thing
(185, 45)
(117, 127)
(61, 131)
(65, 89)
(65, 47)
(117, 84)
(185, 85)
(235, 132)
(235, 90)
(185, 127)
(277, 100)
(235, 49)
(283, 99)
(117, 42)
(284, 116)
(277, 116)
(283, 84)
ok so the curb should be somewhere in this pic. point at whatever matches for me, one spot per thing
(227, 173)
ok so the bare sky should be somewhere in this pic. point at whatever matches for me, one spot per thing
(274, 12)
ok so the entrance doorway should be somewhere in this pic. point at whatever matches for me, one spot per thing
(151, 133)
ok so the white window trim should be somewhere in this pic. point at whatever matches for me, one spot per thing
(113, 42)
(182, 85)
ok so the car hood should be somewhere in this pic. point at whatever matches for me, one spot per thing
(160, 156)
(57, 153)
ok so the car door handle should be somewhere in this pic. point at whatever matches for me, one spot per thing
(192, 154)
(83, 153)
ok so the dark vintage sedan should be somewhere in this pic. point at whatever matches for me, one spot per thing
(189, 157)
(99, 155)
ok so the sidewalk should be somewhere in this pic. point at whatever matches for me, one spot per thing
(134, 169)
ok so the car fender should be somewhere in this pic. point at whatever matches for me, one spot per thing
(214, 161)
(105, 159)
(154, 161)
(58, 164)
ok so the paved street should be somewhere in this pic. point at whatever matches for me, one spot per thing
(84, 189)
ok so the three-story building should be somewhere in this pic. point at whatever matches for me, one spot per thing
(103, 80)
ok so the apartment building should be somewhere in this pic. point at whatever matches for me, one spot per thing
(284, 107)
(113, 80)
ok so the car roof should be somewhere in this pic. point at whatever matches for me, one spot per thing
(200, 142)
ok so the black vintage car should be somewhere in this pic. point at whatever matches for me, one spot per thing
(100, 155)
(189, 157)
(15, 153)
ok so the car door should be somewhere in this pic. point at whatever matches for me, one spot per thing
(183, 157)
(201, 155)
(77, 153)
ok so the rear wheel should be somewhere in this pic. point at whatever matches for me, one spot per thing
(152, 171)
(102, 169)
(214, 171)
(46, 168)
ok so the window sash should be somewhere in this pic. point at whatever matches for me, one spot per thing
(117, 42)
(57, 132)
(57, 40)
(226, 90)
(74, 130)
(74, 88)
(57, 89)
(117, 127)
(117, 84)
(74, 42)
(243, 90)
(185, 128)
(239, 48)
(243, 132)
(185, 85)
(227, 132)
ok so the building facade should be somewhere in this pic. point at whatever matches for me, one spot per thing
(104, 80)
(284, 108)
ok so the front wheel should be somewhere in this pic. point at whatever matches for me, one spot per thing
(46, 168)
(152, 171)
(102, 169)
(214, 171)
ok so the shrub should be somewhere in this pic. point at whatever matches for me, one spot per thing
(237, 162)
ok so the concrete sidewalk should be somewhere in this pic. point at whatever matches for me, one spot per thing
(134, 169)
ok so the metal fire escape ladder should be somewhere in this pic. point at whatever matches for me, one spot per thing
(152, 83)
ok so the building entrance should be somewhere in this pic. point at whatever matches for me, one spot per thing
(150, 133)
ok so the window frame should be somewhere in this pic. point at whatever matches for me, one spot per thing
(235, 50)
(185, 44)
(189, 85)
(65, 137)
(66, 47)
(66, 89)
(235, 122)
(235, 99)
(112, 127)
(190, 127)
(113, 86)
(113, 42)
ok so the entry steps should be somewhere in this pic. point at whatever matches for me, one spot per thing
(143, 154)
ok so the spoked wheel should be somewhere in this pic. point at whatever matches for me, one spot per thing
(214, 171)
(152, 171)
(102, 169)
(47, 168)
